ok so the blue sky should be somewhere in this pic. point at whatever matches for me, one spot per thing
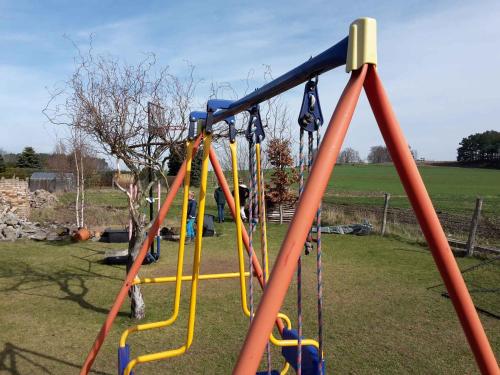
(438, 59)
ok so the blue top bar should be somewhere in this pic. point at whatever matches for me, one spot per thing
(330, 59)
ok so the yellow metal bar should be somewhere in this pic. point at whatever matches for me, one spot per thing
(169, 279)
(239, 232)
(196, 270)
(243, 292)
(180, 257)
(262, 210)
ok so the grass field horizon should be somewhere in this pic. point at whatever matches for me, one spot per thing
(381, 317)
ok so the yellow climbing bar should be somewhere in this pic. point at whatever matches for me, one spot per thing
(169, 279)
(243, 290)
(262, 210)
(180, 258)
(207, 140)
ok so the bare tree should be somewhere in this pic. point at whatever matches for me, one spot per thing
(349, 156)
(379, 154)
(275, 118)
(107, 101)
(414, 153)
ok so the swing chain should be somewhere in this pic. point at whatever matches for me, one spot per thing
(311, 116)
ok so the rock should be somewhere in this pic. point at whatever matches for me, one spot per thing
(53, 236)
(38, 236)
(9, 234)
(11, 219)
(42, 199)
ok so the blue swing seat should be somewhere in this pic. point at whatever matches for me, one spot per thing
(273, 372)
(123, 359)
(310, 355)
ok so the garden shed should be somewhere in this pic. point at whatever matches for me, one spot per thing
(52, 181)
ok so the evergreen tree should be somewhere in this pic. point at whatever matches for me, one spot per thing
(177, 156)
(480, 147)
(196, 167)
(28, 159)
(2, 164)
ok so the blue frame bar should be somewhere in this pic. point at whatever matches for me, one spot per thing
(330, 59)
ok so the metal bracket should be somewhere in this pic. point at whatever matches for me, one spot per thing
(310, 116)
(255, 128)
(194, 117)
(362, 47)
(213, 107)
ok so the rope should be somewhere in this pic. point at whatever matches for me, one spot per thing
(251, 218)
(320, 276)
(263, 234)
(299, 262)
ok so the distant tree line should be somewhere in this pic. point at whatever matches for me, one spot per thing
(480, 147)
(377, 155)
(23, 164)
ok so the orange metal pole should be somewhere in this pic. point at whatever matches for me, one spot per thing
(230, 201)
(122, 294)
(286, 262)
(429, 222)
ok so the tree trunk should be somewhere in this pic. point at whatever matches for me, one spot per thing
(77, 200)
(281, 213)
(137, 304)
(82, 187)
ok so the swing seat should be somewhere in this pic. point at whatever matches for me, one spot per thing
(310, 355)
(273, 372)
(123, 359)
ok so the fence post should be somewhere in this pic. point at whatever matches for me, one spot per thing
(473, 227)
(387, 196)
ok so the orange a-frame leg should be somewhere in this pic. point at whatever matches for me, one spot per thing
(122, 294)
(429, 222)
(286, 262)
(283, 269)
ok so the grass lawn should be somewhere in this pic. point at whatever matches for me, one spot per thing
(451, 189)
(380, 318)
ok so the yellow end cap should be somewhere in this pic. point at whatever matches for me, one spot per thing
(362, 46)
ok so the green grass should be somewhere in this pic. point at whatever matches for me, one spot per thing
(451, 189)
(380, 318)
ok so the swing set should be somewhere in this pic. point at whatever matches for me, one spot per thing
(358, 52)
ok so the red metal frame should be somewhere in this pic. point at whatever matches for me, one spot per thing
(162, 213)
(122, 294)
(286, 262)
(284, 267)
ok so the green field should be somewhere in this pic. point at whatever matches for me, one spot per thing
(451, 189)
(380, 317)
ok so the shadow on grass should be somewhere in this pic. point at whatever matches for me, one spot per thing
(11, 354)
(71, 284)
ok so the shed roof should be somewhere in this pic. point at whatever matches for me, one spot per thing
(49, 175)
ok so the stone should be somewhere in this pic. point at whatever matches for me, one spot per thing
(53, 236)
(42, 199)
(9, 234)
(11, 219)
(38, 236)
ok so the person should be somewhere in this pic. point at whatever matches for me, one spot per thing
(220, 199)
(244, 194)
(191, 215)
